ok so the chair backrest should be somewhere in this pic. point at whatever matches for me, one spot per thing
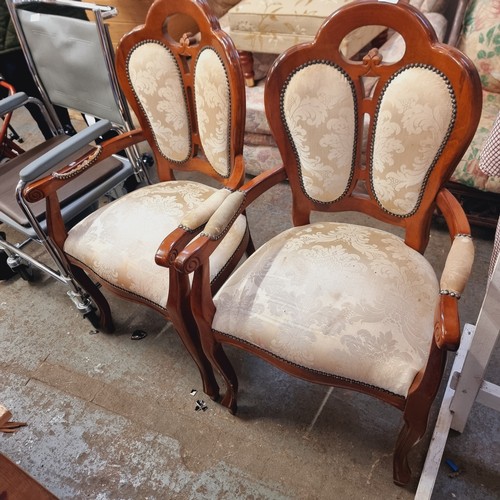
(416, 121)
(188, 94)
(71, 57)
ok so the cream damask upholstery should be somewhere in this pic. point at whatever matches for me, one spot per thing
(154, 75)
(413, 120)
(282, 302)
(272, 26)
(124, 256)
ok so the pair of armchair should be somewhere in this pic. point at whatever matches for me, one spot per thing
(333, 303)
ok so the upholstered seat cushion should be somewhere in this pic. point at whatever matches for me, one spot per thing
(119, 241)
(272, 26)
(298, 297)
(468, 172)
(481, 42)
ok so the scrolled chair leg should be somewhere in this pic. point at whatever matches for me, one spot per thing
(221, 363)
(411, 433)
(184, 328)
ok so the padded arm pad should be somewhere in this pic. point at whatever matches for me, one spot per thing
(203, 212)
(47, 161)
(458, 266)
(13, 102)
(224, 215)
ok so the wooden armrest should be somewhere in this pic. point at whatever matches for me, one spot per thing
(64, 150)
(199, 250)
(456, 272)
(36, 190)
(192, 224)
(453, 213)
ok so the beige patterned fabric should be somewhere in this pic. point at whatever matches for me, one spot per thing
(328, 117)
(480, 40)
(458, 265)
(429, 5)
(201, 214)
(394, 48)
(119, 241)
(468, 171)
(224, 214)
(155, 78)
(213, 101)
(272, 26)
(413, 120)
(345, 300)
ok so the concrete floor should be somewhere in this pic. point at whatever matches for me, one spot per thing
(114, 418)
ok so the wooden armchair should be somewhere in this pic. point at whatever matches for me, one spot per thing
(341, 304)
(188, 96)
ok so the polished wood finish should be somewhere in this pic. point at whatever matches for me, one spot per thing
(246, 60)
(15, 484)
(421, 47)
(185, 49)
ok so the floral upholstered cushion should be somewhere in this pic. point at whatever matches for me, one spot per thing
(468, 172)
(119, 241)
(481, 42)
(332, 297)
(256, 120)
(272, 26)
(260, 158)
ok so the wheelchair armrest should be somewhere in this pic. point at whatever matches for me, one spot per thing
(50, 159)
(13, 102)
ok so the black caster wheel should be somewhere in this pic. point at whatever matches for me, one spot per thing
(93, 317)
(26, 272)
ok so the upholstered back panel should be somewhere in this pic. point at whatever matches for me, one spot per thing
(213, 108)
(414, 117)
(155, 78)
(318, 108)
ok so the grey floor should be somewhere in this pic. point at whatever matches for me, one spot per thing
(114, 418)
